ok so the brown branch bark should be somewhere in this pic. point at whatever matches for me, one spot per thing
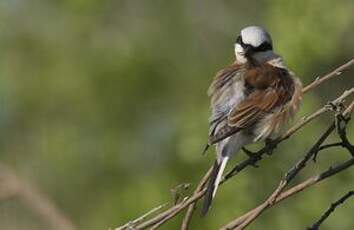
(294, 190)
(130, 224)
(338, 71)
(188, 217)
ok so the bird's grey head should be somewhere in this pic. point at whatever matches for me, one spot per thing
(253, 43)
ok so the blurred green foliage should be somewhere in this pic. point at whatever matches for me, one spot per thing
(104, 107)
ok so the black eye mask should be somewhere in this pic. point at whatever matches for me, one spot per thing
(263, 47)
(239, 40)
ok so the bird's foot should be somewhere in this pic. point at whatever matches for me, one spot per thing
(251, 154)
(270, 145)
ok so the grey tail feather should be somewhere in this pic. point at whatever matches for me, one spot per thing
(209, 193)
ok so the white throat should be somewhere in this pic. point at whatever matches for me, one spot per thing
(239, 54)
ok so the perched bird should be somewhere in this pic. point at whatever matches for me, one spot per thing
(251, 100)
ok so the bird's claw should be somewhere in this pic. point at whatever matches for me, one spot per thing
(270, 145)
(250, 154)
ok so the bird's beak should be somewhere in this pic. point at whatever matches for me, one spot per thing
(248, 51)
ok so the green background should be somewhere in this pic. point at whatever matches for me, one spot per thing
(104, 106)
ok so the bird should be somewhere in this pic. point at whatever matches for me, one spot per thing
(251, 100)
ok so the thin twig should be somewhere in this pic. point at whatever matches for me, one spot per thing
(296, 189)
(141, 218)
(338, 71)
(187, 218)
(331, 209)
(340, 122)
(327, 146)
(172, 214)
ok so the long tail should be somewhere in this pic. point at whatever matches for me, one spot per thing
(213, 184)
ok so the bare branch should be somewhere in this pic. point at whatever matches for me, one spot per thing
(141, 218)
(288, 193)
(187, 218)
(331, 209)
(338, 71)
